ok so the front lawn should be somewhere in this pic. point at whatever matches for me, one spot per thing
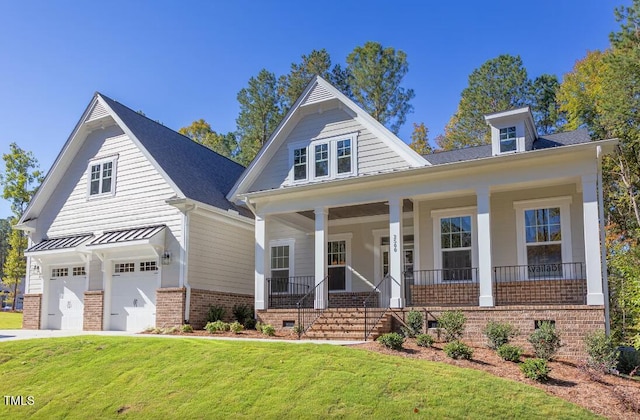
(10, 320)
(149, 377)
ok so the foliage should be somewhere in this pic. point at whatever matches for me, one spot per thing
(217, 326)
(545, 340)
(536, 369)
(458, 350)
(15, 264)
(602, 351)
(509, 353)
(186, 328)
(216, 313)
(391, 340)
(453, 324)
(375, 76)
(420, 139)
(499, 333)
(497, 85)
(544, 107)
(5, 230)
(297, 330)
(236, 327)
(268, 329)
(415, 322)
(244, 314)
(623, 262)
(425, 340)
(200, 131)
(21, 178)
(628, 360)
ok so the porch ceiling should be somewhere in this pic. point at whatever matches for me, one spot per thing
(360, 210)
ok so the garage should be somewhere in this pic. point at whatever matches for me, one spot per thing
(65, 307)
(133, 296)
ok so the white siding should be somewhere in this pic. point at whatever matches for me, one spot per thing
(97, 112)
(374, 155)
(35, 279)
(317, 94)
(221, 256)
(304, 246)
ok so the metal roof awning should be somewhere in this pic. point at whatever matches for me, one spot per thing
(59, 244)
(147, 235)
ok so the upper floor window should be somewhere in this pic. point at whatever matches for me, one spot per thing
(300, 164)
(344, 156)
(322, 159)
(102, 177)
(507, 139)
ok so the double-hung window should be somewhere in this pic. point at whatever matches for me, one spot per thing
(508, 139)
(337, 265)
(455, 254)
(102, 177)
(323, 159)
(281, 265)
(300, 164)
(344, 156)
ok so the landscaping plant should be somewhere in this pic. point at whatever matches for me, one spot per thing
(452, 322)
(458, 350)
(216, 326)
(545, 341)
(392, 340)
(499, 333)
(535, 369)
(236, 327)
(603, 354)
(424, 340)
(244, 315)
(415, 322)
(629, 361)
(216, 313)
(268, 329)
(186, 328)
(510, 353)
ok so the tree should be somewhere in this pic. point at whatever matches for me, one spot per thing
(374, 76)
(5, 231)
(260, 113)
(545, 108)
(200, 131)
(291, 85)
(420, 139)
(14, 268)
(498, 85)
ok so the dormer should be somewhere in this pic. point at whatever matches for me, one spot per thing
(512, 131)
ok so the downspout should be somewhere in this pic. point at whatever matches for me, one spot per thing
(603, 245)
(185, 266)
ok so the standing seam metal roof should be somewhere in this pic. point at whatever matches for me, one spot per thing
(127, 235)
(60, 243)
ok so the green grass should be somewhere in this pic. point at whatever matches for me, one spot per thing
(10, 320)
(100, 377)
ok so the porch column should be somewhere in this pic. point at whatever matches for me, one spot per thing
(261, 255)
(321, 271)
(485, 272)
(591, 226)
(107, 275)
(396, 263)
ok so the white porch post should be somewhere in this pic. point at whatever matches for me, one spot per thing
(592, 240)
(484, 246)
(107, 275)
(322, 293)
(396, 255)
(261, 256)
(416, 236)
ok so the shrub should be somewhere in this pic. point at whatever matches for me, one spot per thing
(535, 369)
(391, 340)
(236, 327)
(603, 355)
(628, 361)
(499, 333)
(250, 324)
(171, 330)
(268, 329)
(415, 321)
(509, 353)
(297, 330)
(452, 322)
(216, 313)
(545, 341)
(186, 328)
(258, 326)
(458, 350)
(424, 340)
(216, 326)
(243, 313)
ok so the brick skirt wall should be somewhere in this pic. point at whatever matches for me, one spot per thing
(567, 292)
(31, 306)
(463, 294)
(170, 303)
(201, 300)
(93, 310)
(336, 300)
(277, 317)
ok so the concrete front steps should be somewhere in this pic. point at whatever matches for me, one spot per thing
(348, 324)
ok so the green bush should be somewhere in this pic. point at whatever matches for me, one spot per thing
(297, 330)
(268, 329)
(545, 341)
(250, 324)
(509, 353)
(243, 313)
(535, 369)
(216, 313)
(452, 322)
(499, 333)
(236, 327)
(186, 328)
(216, 326)
(629, 361)
(391, 340)
(458, 350)
(603, 354)
(424, 340)
(415, 322)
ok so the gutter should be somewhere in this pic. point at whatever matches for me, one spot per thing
(603, 244)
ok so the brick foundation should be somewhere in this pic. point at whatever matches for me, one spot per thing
(31, 310)
(170, 303)
(93, 310)
(201, 300)
(276, 317)
(463, 294)
(567, 292)
(351, 299)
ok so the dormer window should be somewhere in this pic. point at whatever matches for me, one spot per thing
(102, 175)
(323, 159)
(300, 164)
(507, 139)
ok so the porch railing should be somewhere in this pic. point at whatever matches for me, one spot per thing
(444, 287)
(548, 284)
(285, 292)
(377, 303)
(307, 313)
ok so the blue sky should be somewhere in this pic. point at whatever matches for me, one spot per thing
(179, 61)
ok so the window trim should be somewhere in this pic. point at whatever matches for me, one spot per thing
(436, 216)
(563, 203)
(346, 237)
(290, 242)
(332, 149)
(515, 139)
(114, 171)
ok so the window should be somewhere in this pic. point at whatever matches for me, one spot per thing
(322, 160)
(280, 268)
(344, 156)
(128, 267)
(337, 262)
(59, 272)
(148, 266)
(102, 175)
(300, 164)
(455, 243)
(507, 139)
(79, 271)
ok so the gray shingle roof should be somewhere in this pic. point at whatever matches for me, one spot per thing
(202, 174)
(479, 152)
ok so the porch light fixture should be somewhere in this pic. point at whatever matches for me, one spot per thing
(166, 258)
(35, 269)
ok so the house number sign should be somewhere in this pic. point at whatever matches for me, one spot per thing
(395, 243)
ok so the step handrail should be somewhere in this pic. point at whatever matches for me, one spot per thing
(369, 325)
(307, 316)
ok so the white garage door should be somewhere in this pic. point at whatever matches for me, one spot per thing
(65, 307)
(133, 296)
